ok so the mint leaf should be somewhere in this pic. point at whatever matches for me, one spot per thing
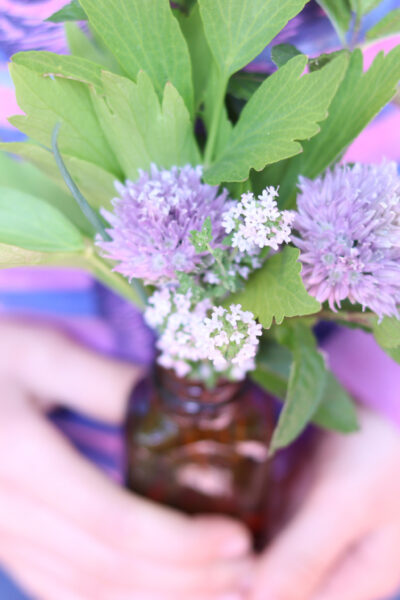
(58, 65)
(393, 353)
(282, 53)
(33, 224)
(306, 385)
(389, 25)
(238, 30)
(142, 131)
(336, 410)
(95, 183)
(144, 36)
(286, 108)
(387, 333)
(70, 12)
(46, 102)
(360, 97)
(202, 239)
(22, 176)
(276, 291)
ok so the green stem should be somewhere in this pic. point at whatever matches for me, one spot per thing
(133, 291)
(215, 119)
(217, 260)
(364, 319)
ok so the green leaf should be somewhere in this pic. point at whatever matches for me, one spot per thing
(22, 176)
(359, 99)
(276, 291)
(202, 239)
(46, 102)
(33, 224)
(282, 53)
(286, 108)
(86, 46)
(387, 333)
(238, 30)
(306, 384)
(340, 15)
(273, 368)
(58, 65)
(389, 25)
(336, 410)
(96, 184)
(393, 353)
(13, 256)
(140, 130)
(362, 7)
(200, 54)
(70, 12)
(144, 36)
(242, 85)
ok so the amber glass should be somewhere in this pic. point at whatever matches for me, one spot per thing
(206, 451)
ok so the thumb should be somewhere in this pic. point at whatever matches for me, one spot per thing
(53, 367)
(296, 562)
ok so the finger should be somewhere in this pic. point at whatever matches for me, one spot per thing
(369, 572)
(34, 573)
(47, 579)
(53, 367)
(43, 566)
(83, 495)
(298, 559)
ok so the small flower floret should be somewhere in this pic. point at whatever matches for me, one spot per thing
(256, 223)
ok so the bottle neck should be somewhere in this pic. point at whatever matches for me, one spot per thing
(189, 397)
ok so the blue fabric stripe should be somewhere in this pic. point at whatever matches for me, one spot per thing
(70, 303)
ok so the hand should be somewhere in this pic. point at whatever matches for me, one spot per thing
(344, 541)
(66, 531)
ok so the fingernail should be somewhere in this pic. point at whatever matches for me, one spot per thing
(234, 547)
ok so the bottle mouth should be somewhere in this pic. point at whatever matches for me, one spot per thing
(186, 390)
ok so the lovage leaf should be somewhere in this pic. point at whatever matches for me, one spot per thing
(96, 184)
(21, 175)
(142, 131)
(360, 97)
(277, 291)
(70, 12)
(306, 384)
(144, 36)
(282, 53)
(46, 102)
(286, 108)
(339, 13)
(33, 224)
(389, 25)
(238, 30)
(59, 65)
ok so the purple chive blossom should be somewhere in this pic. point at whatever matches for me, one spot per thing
(349, 235)
(152, 221)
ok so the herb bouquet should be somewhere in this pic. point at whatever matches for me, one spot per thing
(233, 224)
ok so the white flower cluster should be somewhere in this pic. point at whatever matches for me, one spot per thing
(258, 222)
(228, 338)
(231, 336)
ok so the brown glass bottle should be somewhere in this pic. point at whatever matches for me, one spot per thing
(201, 450)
